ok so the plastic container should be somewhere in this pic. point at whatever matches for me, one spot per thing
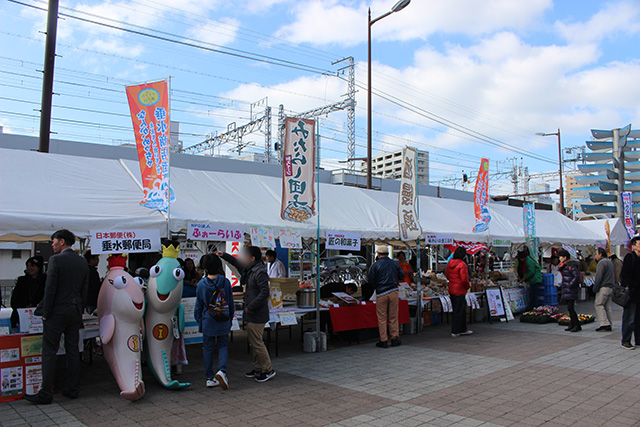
(548, 299)
(310, 342)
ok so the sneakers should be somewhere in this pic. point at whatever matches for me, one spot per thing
(396, 342)
(212, 382)
(263, 377)
(455, 335)
(604, 329)
(628, 346)
(382, 344)
(467, 332)
(221, 377)
(251, 374)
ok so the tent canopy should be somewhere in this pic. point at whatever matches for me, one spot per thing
(617, 231)
(84, 194)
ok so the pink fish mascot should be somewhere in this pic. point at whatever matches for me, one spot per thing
(120, 312)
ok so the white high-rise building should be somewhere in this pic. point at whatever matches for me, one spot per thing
(389, 165)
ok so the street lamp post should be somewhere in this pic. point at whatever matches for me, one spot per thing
(562, 209)
(396, 8)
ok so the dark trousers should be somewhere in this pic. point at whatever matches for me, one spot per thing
(54, 327)
(571, 306)
(631, 323)
(459, 317)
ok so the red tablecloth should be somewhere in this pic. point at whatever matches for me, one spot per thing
(362, 316)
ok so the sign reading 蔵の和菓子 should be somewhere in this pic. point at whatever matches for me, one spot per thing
(212, 232)
(125, 241)
(343, 241)
(298, 170)
(408, 221)
(149, 106)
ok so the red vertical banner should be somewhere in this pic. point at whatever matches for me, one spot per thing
(481, 198)
(149, 106)
(298, 170)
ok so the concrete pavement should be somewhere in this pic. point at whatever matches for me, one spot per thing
(503, 375)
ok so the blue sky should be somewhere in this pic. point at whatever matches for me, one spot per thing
(506, 69)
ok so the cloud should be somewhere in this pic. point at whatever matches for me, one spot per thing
(615, 18)
(221, 32)
(418, 21)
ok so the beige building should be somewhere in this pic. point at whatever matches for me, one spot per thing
(389, 165)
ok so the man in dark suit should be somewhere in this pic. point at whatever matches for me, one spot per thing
(64, 295)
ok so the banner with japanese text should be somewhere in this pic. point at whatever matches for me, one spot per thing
(149, 106)
(481, 198)
(125, 241)
(627, 209)
(213, 232)
(408, 221)
(298, 170)
(343, 241)
(529, 225)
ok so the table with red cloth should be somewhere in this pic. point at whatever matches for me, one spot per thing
(362, 316)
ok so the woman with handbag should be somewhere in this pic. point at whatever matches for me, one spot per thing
(630, 278)
(570, 286)
(214, 312)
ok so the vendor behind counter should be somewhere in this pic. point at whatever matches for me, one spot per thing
(29, 288)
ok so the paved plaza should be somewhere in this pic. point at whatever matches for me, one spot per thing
(503, 375)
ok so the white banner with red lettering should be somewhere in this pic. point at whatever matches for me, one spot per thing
(471, 247)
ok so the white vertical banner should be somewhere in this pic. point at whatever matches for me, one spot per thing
(298, 170)
(233, 249)
(408, 221)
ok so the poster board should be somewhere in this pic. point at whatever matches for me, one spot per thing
(20, 365)
(496, 303)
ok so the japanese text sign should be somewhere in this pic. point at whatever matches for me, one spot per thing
(290, 238)
(529, 225)
(212, 232)
(438, 239)
(627, 209)
(149, 106)
(298, 164)
(408, 221)
(481, 198)
(233, 249)
(343, 241)
(125, 241)
(262, 237)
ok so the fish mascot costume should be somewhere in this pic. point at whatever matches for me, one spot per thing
(120, 311)
(164, 318)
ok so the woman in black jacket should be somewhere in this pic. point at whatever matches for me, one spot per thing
(570, 287)
(29, 288)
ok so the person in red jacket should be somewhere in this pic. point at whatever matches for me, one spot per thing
(458, 276)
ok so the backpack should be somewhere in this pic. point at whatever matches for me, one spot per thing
(218, 306)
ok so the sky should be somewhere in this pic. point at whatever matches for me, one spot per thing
(473, 78)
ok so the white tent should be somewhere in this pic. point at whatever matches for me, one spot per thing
(617, 230)
(40, 193)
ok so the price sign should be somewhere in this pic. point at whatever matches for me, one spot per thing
(288, 318)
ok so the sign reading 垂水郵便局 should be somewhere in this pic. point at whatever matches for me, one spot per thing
(213, 232)
(149, 106)
(343, 241)
(298, 170)
(408, 221)
(125, 241)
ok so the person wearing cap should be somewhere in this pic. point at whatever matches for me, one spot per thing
(29, 288)
(385, 276)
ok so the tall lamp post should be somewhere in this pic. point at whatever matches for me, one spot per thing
(396, 8)
(562, 209)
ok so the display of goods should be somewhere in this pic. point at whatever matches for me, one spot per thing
(307, 285)
(565, 320)
(540, 315)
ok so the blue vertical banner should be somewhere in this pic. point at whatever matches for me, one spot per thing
(627, 209)
(529, 225)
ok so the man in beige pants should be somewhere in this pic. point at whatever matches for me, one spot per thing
(603, 288)
(385, 276)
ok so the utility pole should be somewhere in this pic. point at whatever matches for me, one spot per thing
(47, 80)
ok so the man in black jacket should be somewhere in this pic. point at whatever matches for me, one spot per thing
(64, 294)
(254, 277)
(630, 278)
